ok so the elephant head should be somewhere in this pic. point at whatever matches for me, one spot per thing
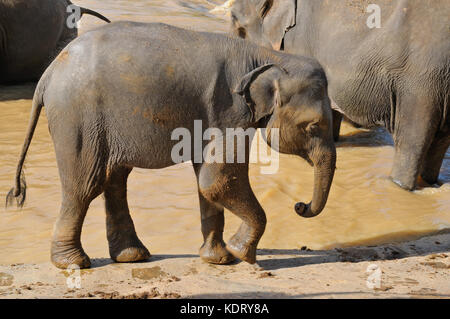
(264, 22)
(295, 102)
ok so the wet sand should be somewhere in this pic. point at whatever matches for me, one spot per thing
(414, 269)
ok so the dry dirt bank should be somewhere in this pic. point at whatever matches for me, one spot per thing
(415, 269)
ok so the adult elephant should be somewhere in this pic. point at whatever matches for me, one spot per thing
(32, 33)
(387, 65)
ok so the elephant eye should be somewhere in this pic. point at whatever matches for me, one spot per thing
(242, 33)
(266, 7)
(312, 128)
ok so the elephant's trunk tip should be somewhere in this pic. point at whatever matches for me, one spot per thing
(304, 210)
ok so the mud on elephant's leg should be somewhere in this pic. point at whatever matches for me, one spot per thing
(435, 157)
(229, 186)
(124, 245)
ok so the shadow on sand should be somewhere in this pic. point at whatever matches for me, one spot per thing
(302, 257)
(298, 258)
(102, 262)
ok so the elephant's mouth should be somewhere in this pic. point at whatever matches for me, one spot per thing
(264, 121)
(306, 157)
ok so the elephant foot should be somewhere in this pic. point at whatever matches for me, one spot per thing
(423, 182)
(216, 254)
(406, 185)
(65, 257)
(242, 251)
(124, 253)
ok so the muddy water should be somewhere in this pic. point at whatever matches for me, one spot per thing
(364, 207)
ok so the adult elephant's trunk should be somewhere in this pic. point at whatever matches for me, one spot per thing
(324, 159)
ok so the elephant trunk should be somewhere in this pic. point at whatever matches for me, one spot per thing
(324, 160)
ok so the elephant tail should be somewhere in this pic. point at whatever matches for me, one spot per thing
(93, 13)
(20, 189)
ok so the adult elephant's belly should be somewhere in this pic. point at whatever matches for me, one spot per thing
(364, 98)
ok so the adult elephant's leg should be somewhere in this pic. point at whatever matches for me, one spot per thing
(435, 157)
(416, 124)
(337, 120)
(213, 249)
(124, 245)
(229, 186)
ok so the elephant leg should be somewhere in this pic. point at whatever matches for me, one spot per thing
(82, 181)
(82, 167)
(66, 249)
(213, 249)
(228, 186)
(243, 244)
(124, 245)
(413, 135)
(435, 157)
(337, 120)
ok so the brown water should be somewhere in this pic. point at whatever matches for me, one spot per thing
(364, 207)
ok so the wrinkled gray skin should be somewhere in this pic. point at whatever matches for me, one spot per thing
(32, 33)
(113, 97)
(397, 76)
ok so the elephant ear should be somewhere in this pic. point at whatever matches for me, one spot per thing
(261, 90)
(278, 17)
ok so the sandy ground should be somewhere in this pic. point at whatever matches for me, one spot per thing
(415, 269)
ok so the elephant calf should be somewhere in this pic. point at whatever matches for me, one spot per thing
(114, 96)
